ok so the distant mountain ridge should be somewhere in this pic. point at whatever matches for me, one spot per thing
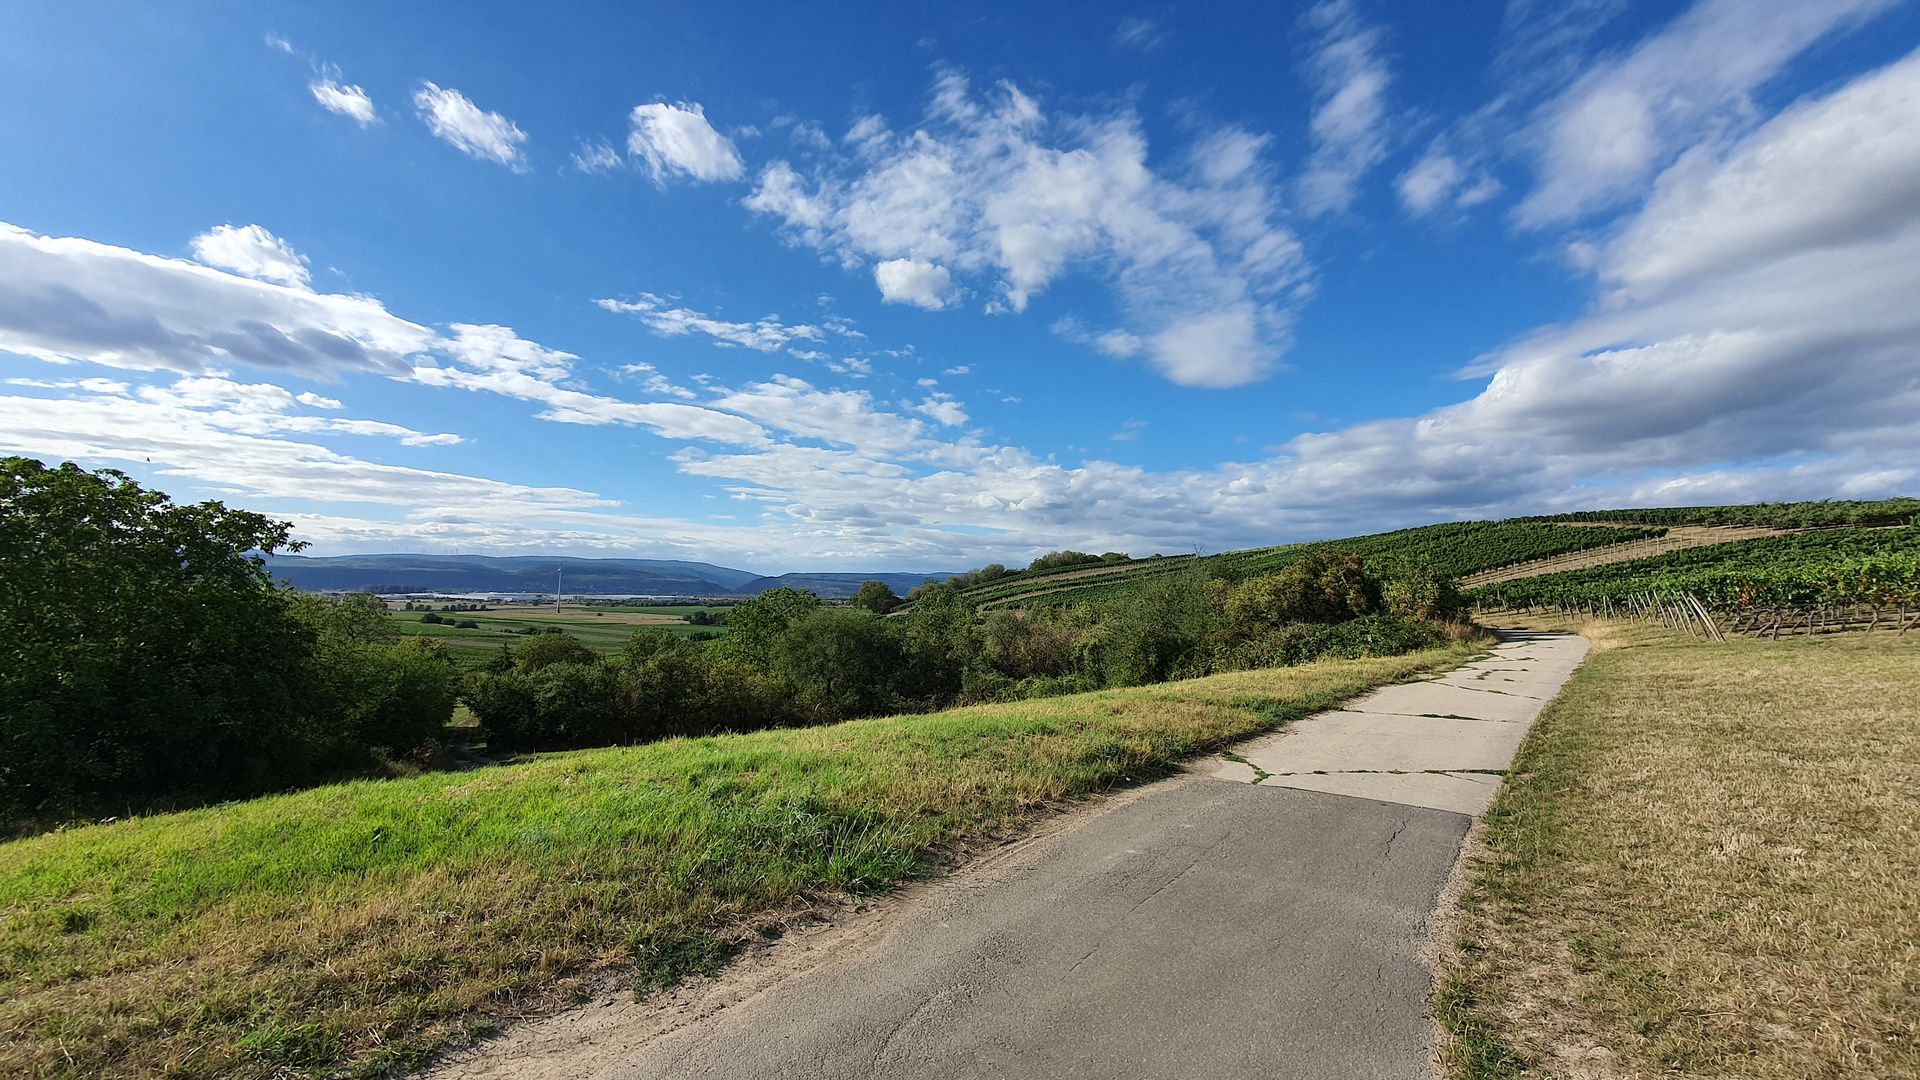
(535, 574)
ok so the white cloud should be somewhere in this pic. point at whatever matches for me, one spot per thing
(912, 281)
(678, 139)
(496, 360)
(1349, 125)
(1753, 336)
(1137, 33)
(348, 101)
(961, 370)
(1599, 141)
(1002, 190)
(597, 158)
(765, 335)
(463, 125)
(253, 252)
(68, 299)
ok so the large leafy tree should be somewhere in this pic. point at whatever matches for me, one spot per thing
(143, 648)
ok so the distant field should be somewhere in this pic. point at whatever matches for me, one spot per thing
(602, 629)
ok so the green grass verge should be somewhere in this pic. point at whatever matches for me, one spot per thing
(359, 928)
(1702, 864)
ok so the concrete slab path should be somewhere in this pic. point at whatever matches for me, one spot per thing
(1269, 928)
(1443, 743)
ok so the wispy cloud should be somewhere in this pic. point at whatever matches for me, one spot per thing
(763, 335)
(463, 125)
(1134, 32)
(676, 139)
(348, 101)
(1599, 141)
(1349, 125)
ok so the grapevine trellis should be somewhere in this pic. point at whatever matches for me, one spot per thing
(1854, 594)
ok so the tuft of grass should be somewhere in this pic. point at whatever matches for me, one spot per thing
(359, 928)
(1702, 864)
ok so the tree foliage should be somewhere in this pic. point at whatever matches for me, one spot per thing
(875, 596)
(147, 655)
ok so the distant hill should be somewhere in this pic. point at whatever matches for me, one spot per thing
(836, 585)
(485, 573)
(535, 574)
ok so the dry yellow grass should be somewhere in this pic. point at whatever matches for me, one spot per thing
(1706, 863)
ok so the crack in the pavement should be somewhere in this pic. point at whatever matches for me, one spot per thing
(1387, 853)
(1259, 773)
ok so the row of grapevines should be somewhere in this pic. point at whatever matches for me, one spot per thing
(1795, 515)
(1804, 570)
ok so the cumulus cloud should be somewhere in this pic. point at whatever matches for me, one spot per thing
(465, 126)
(913, 281)
(765, 335)
(1599, 141)
(998, 190)
(349, 101)
(254, 252)
(1349, 125)
(678, 139)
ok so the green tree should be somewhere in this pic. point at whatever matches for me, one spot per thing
(875, 596)
(754, 627)
(369, 691)
(940, 641)
(143, 648)
(842, 661)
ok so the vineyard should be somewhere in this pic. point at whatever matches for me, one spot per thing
(1451, 549)
(1798, 515)
(1830, 578)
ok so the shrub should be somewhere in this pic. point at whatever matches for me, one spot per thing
(840, 661)
(543, 649)
(1058, 559)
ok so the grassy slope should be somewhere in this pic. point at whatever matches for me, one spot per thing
(367, 924)
(1703, 864)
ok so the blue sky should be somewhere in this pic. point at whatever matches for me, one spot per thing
(879, 288)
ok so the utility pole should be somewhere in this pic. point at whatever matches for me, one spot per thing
(558, 573)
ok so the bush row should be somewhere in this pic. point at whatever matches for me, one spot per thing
(789, 658)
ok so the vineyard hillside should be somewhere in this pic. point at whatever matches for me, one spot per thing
(1877, 567)
(1451, 549)
(1780, 551)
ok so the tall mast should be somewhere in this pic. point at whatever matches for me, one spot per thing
(558, 573)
